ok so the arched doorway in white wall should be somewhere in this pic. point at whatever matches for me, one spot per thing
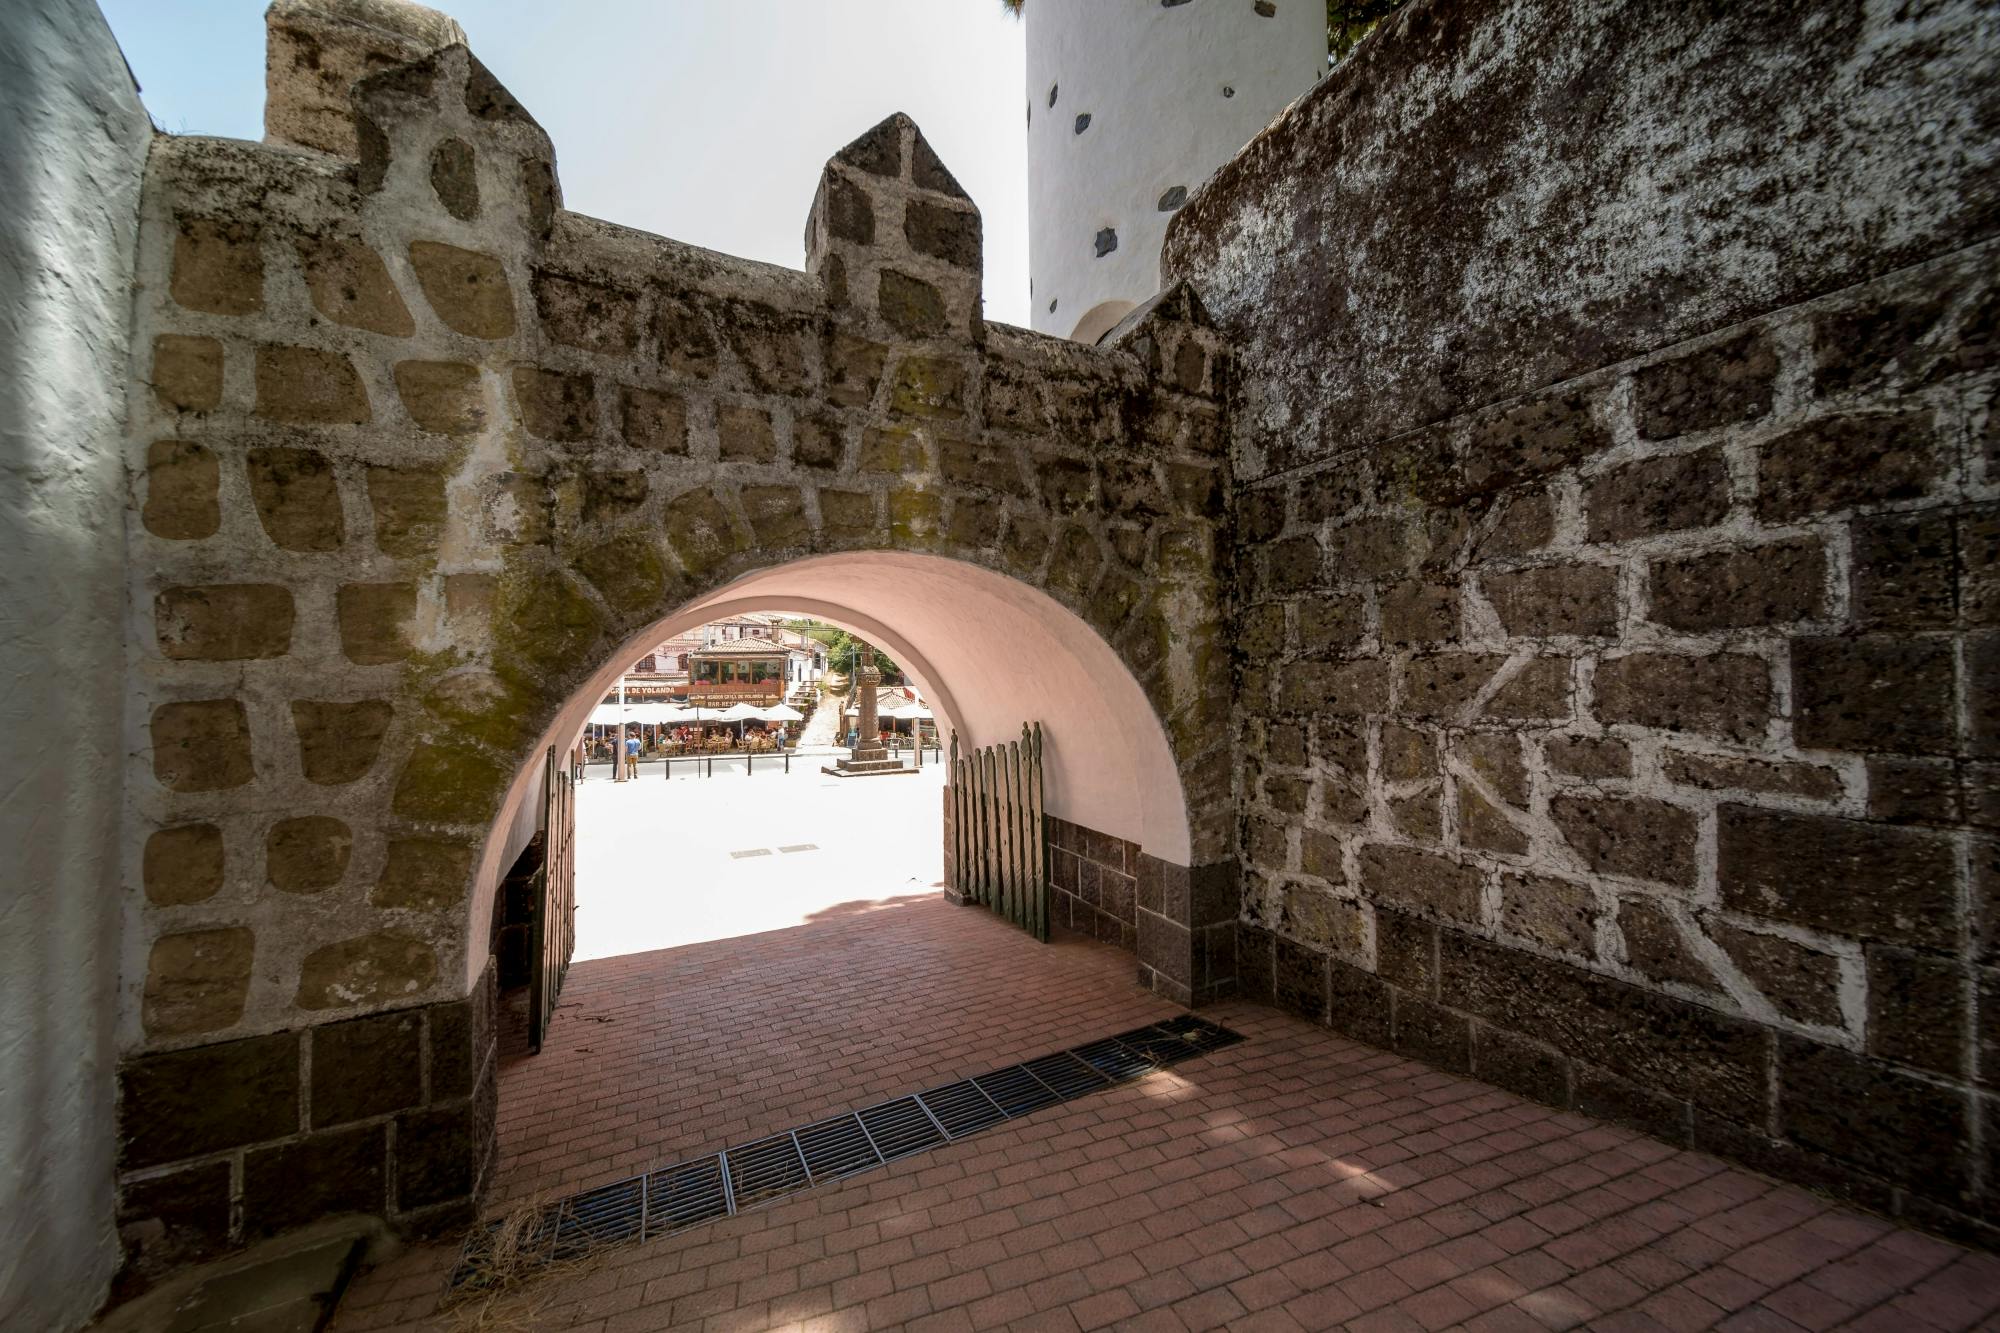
(1100, 319)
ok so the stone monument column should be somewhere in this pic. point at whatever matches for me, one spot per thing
(867, 676)
(867, 758)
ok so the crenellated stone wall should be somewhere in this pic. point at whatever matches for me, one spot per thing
(1616, 529)
(415, 452)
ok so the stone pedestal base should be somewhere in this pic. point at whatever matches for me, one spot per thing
(869, 761)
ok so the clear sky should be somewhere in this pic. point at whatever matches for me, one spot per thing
(703, 120)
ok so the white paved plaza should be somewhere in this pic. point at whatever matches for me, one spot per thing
(666, 862)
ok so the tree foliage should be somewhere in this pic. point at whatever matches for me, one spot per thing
(842, 648)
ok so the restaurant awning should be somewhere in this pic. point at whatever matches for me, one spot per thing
(668, 715)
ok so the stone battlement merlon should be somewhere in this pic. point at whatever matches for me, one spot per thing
(317, 50)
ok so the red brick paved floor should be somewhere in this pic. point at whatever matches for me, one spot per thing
(1297, 1180)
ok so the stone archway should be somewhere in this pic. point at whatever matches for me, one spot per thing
(417, 453)
(989, 652)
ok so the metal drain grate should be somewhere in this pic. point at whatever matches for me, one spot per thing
(837, 1147)
(601, 1217)
(1067, 1075)
(961, 1108)
(1161, 1047)
(766, 1169)
(1016, 1091)
(688, 1194)
(1115, 1060)
(900, 1128)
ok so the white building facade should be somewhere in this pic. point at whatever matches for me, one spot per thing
(1131, 104)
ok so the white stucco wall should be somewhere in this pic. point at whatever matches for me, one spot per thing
(73, 141)
(1151, 76)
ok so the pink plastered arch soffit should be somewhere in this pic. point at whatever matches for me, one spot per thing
(988, 652)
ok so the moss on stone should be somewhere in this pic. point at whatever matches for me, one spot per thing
(626, 570)
(486, 708)
(699, 527)
(914, 515)
(422, 874)
(543, 624)
(928, 386)
(895, 447)
(449, 784)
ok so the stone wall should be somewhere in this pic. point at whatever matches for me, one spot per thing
(1180, 922)
(1619, 628)
(392, 1115)
(76, 140)
(1094, 883)
(1494, 195)
(415, 453)
(1187, 918)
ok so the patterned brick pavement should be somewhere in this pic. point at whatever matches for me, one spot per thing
(1298, 1180)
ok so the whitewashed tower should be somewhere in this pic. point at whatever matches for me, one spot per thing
(1131, 104)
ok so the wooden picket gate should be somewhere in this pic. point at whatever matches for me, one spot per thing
(553, 937)
(999, 845)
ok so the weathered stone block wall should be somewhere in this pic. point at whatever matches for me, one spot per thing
(1181, 922)
(1094, 883)
(1498, 195)
(1187, 919)
(1618, 629)
(414, 453)
(391, 1115)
